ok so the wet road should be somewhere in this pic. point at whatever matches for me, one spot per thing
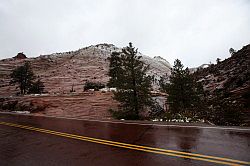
(29, 140)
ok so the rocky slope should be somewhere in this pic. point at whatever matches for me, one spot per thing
(93, 105)
(61, 71)
(230, 77)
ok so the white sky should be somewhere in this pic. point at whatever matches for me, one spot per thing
(195, 31)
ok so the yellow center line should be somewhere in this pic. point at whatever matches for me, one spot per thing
(194, 156)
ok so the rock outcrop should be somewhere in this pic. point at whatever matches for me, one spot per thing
(62, 71)
(20, 55)
(230, 77)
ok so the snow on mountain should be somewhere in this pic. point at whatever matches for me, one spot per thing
(61, 71)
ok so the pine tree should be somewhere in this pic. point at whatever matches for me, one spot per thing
(225, 111)
(218, 60)
(128, 75)
(115, 70)
(23, 76)
(36, 87)
(232, 51)
(183, 92)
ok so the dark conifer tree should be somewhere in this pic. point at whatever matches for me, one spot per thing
(23, 76)
(115, 69)
(128, 75)
(184, 94)
(37, 87)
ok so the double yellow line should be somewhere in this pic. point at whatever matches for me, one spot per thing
(194, 156)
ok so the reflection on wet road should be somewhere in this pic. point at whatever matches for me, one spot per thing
(26, 140)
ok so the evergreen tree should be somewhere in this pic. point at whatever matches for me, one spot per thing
(128, 75)
(93, 85)
(232, 51)
(36, 87)
(225, 111)
(218, 60)
(115, 70)
(23, 76)
(184, 94)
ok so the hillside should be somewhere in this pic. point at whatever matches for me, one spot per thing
(61, 71)
(230, 77)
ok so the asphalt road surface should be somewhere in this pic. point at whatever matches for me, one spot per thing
(30, 140)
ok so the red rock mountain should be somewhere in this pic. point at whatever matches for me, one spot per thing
(61, 71)
(231, 76)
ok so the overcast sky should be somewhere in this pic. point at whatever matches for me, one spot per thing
(195, 31)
